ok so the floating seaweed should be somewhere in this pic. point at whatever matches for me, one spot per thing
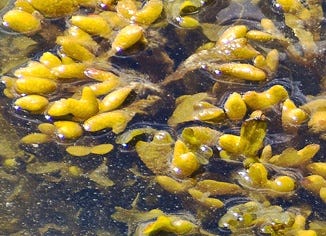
(155, 117)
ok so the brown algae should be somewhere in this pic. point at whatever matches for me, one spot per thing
(180, 117)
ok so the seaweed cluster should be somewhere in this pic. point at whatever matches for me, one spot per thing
(155, 117)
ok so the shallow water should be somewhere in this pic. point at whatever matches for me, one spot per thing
(56, 203)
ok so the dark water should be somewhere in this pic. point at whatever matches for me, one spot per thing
(58, 204)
